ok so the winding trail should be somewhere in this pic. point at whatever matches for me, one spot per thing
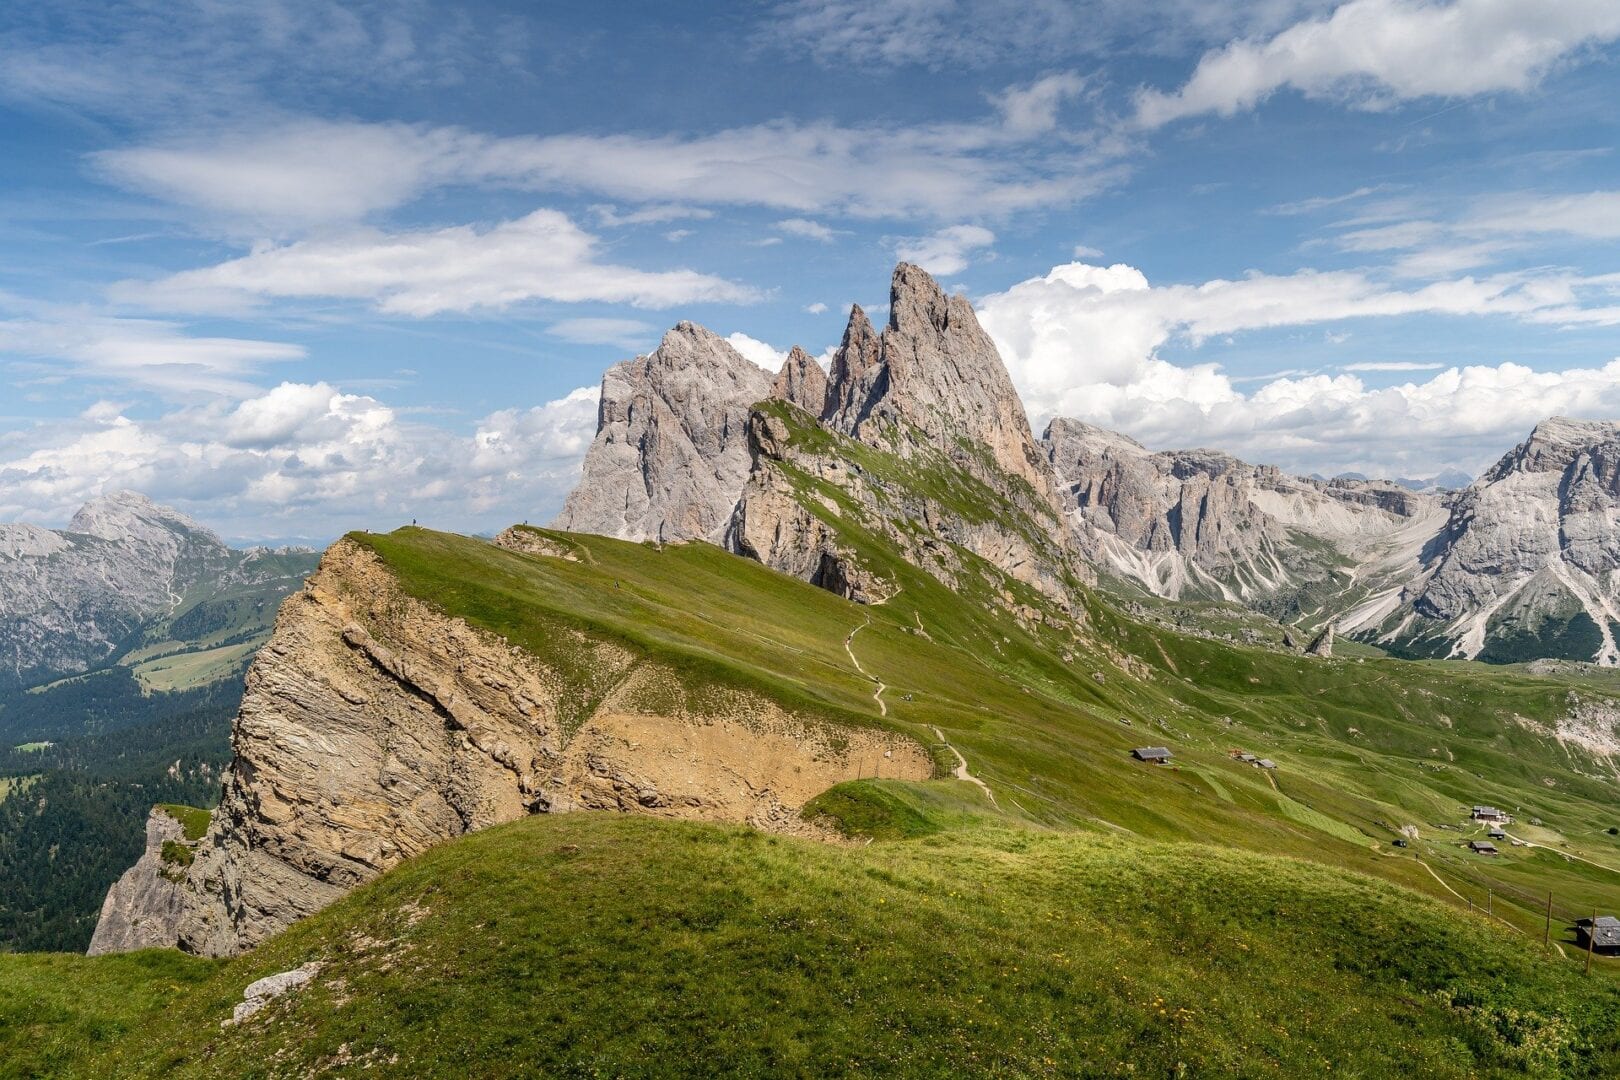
(877, 695)
(961, 770)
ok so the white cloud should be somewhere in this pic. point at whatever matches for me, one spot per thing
(1086, 251)
(946, 251)
(305, 460)
(816, 308)
(1372, 52)
(1391, 365)
(675, 236)
(810, 230)
(297, 174)
(142, 353)
(1085, 340)
(629, 334)
(1033, 109)
(766, 356)
(949, 34)
(611, 216)
(1593, 215)
(541, 256)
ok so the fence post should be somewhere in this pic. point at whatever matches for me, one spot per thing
(1490, 904)
(1546, 937)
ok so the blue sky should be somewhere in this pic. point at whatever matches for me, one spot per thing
(309, 267)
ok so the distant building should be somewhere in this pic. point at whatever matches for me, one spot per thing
(1605, 933)
(1497, 834)
(1401, 842)
(1158, 755)
(1482, 847)
(1266, 763)
(1489, 813)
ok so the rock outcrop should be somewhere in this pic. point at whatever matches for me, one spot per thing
(70, 598)
(374, 726)
(957, 471)
(671, 452)
(802, 382)
(143, 908)
(934, 377)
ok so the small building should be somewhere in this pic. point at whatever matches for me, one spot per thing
(1400, 842)
(1266, 763)
(1482, 847)
(1157, 755)
(1604, 933)
(1247, 758)
(1489, 813)
(1497, 834)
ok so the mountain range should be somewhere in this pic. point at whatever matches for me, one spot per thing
(134, 582)
(1519, 564)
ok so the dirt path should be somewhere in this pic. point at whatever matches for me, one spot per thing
(1473, 906)
(877, 695)
(961, 770)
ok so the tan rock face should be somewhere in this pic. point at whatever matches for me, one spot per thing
(374, 727)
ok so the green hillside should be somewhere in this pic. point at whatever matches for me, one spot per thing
(595, 945)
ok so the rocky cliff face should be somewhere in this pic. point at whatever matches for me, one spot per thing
(670, 453)
(373, 726)
(1199, 524)
(70, 598)
(143, 909)
(802, 382)
(957, 475)
(1528, 563)
(933, 378)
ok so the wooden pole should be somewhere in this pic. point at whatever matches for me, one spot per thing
(1546, 937)
(1591, 938)
(1490, 903)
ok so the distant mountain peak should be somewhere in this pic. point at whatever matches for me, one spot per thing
(124, 514)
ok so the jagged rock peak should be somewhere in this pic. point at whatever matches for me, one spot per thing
(1554, 444)
(671, 448)
(857, 378)
(937, 371)
(802, 382)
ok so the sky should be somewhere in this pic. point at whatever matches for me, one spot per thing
(298, 268)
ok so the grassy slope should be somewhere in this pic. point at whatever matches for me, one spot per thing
(600, 945)
(1360, 742)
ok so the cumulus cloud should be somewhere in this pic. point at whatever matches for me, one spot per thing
(947, 251)
(1085, 341)
(541, 256)
(1373, 52)
(304, 460)
(766, 356)
(816, 308)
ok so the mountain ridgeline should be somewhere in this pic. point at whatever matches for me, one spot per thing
(1519, 565)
